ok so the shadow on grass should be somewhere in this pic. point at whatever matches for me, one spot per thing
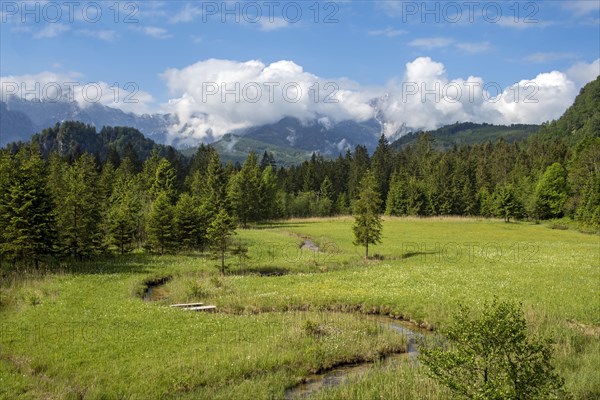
(275, 225)
(411, 254)
(266, 270)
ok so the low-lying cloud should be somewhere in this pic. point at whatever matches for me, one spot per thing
(213, 97)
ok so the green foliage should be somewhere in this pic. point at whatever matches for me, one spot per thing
(190, 227)
(160, 225)
(27, 230)
(125, 209)
(367, 221)
(219, 235)
(77, 204)
(493, 357)
(584, 180)
(507, 204)
(551, 192)
(268, 194)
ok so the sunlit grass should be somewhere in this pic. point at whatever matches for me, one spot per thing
(84, 331)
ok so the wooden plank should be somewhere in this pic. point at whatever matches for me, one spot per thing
(202, 308)
(187, 305)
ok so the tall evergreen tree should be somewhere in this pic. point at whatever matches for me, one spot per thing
(160, 225)
(367, 221)
(78, 209)
(28, 230)
(219, 235)
(243, 191)
(188, 223)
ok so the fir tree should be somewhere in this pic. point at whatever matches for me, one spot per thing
(367, 221)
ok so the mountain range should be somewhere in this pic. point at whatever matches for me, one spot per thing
(290, 140)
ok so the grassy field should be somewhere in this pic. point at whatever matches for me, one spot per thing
(286, 312)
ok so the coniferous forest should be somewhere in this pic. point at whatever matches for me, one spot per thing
(73, 202)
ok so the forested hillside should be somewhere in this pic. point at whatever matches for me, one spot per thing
(62, 199)
(470, 133)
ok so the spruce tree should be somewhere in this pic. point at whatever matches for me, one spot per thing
(367, 221)
(160, 226)
(28, 230)
(78, 208)
(188, 222)
(219, 235)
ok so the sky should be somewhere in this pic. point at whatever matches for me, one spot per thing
(224, 65)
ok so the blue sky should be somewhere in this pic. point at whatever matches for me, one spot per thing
(366, 42)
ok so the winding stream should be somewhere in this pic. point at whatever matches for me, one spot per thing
(341, 375)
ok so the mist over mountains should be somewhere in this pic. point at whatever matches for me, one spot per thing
(22, 118)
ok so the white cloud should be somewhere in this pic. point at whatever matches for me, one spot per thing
(423, 97)
(387, 32)
(523, 23)
(155, 32)
(542, 57)
(267, 24)
(473, 47)
(431, 43)
(582, 7)
(187, 14)
(206, 104)
(52, 87)
(51, 30)
(582, 73)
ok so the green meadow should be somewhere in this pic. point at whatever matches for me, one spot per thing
(286, 312)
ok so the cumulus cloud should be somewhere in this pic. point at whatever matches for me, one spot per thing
(214, 97)
(582, 73)
(427, 98)
(51, 87)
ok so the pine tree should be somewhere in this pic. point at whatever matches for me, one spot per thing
(219, 235)
(325, 203)
(28, 230)
(125, 209)
(160, 226)
(187, 222)
(243, 191)
(165, 180)
(381, 167)
(78, 209)
(367, 221)
(268, 194)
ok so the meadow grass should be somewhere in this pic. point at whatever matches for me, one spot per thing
(84, 332)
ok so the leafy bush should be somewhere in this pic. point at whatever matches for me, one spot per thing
(492, 357)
